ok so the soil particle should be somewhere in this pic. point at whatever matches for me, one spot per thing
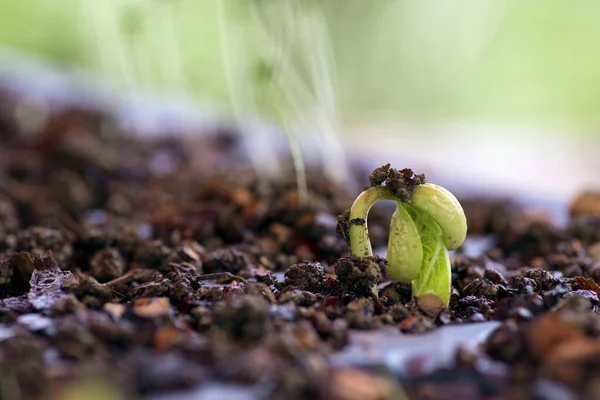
(151, 255)
(495, 276)
(430, 304)
(299, 297)
(524, 284)
(359, 314)
(398, 312)
(586, 229)
(343, 225)
(416, 324)
(544, 280)
(481, 288)
(226, 260)
(395, 293)
(39, 241)
(472, 308)
(243, 319)
(506, 343)
(359, 275)
(587, 284)
(107, 264)
(73, 339)
(149, 307)
(15, 272)
(402, 183)
(46, 283)
(305, 276)
(379, 175)
(190, 252)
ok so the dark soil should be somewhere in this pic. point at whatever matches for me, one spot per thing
(146, 267)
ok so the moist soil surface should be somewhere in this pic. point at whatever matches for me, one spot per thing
(137, 268)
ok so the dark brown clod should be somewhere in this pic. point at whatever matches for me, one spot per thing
(16, 271)
(40, 241)
(587, 284)
(379, 175)
(343, 225)
(402, 183)
(306, 276)
(359, 275)
(151, 254)
(226, 260)
(244, 319)
(107, 264)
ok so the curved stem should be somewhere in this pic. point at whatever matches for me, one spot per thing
(360, 245)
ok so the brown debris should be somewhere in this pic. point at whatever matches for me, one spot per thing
(107, 264)
(430, 304)
(115, 310)
(343, 225)
(47, 282)
(587, 284)
(244, 319)
(586, 204)
(306, 276)
(167, 337)
(359, 275)
(379, 175)
(152, 307)
(402, 183)
(354, 384)
(16, 271)
(547, 333)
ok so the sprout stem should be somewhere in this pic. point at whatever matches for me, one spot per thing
(360, 245)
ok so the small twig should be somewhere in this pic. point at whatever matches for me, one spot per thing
(114, 291)
(227, 276)
(132, 275)
(378, 305)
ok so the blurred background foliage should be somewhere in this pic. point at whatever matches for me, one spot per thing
(529, 61)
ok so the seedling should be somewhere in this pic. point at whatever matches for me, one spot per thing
(428, 222)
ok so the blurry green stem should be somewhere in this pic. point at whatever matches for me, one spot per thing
(298, 160)
(241, 93)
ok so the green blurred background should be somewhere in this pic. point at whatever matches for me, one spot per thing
(502, 93)
(526, 61)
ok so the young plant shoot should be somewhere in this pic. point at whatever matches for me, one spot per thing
(428, 222)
